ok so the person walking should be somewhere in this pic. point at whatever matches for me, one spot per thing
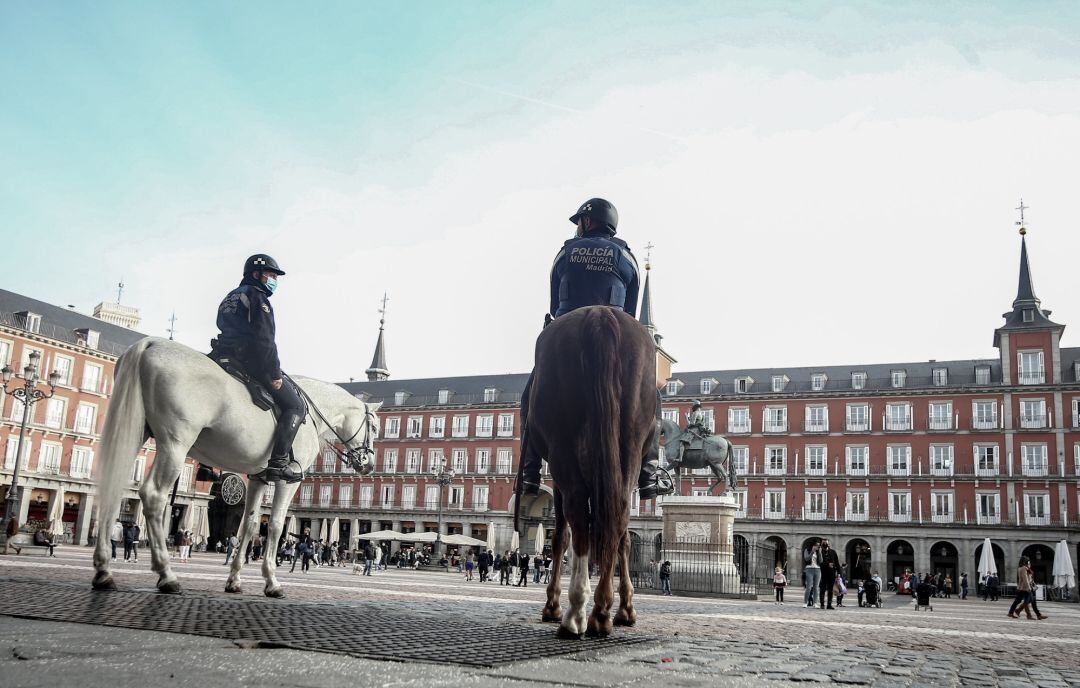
(230, 544)
(1032, 590)
(811, 573)
(538, 567)
(483, 563)
(369, 558)
(185, 546)
(963, 586)
(507, 569)
(523, 566)
(779, 581)
(665, 577)
(830, 568)
(116, 537)
(1023, 588)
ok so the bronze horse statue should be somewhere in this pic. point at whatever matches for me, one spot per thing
(592, 414)
(715, 453)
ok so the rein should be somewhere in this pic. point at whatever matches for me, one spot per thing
(348, 457)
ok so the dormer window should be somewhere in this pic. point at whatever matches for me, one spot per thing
(941, 377)
(399, 398)
(899, 378)
(742, 384)
(1029, 315)
(707, 385)
(817, 381)
(491, 395)
(1076, 371)
(88, 338)
(779, 382)
(444, 396)
(982, 375)
(672, 387)
(858, 380)
(31, 322)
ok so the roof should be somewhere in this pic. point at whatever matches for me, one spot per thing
(378, 361)
(425, 391)
(1025, 302)
(646, 316)
(61, 323)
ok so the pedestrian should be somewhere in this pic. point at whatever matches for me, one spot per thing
(185, 546)
(839, 589)
(547, 568)
(523, 566)
(1032, 590)
(665, 577)
(131, 542)
(779, 581)
(230, 544)
(538, 567)
(116, 536)
(963, 586)
(1023, 587)
(507, 569)
(470, 566)
(380, 564)
(948, 587)
(830, 567)
(811, 572)
(993, 586)
(482, 565)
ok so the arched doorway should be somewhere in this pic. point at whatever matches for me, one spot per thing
(779, 551)
(741, 556)
(999, 562)
(859, 559)
(945, 559)
(899, 557)
(1042, 563)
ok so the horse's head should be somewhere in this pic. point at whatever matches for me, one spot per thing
(361, 425)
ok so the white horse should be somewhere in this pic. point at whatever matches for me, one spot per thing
(193, 408)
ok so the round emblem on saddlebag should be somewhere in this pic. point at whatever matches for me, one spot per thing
(233, 489)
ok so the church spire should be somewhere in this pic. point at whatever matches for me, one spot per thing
(1027, 311)
(378, 370)
(646, 315)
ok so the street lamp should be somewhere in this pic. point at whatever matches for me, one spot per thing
(443, 479)
(27, 392)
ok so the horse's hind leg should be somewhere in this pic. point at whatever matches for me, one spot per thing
(553, 609)
(154, 493)
(248, 526)
(626, 616)
(573, 622)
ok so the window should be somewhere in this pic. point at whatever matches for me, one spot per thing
(415, 427)
(738, 420)
(774, 503)
(710, 420)
(138, 470)
(506, 425)
(740, 503)
(779, 382)
(1032, 413)
(55, 411)
(988, 508)
(305, 494)
(389, 460)
(857, 457)
(436, 460)
(5, 352)
(412, 460)
(775, 460)
(858, 380)
(1030, 365)
(436, 426)
(815, 460)
(1037, 508)
(899, 459)
(1033, 459)
(941, 507)
(856, 506)
(671, 415)
(431, 497)
(742, 385)
(671, 388)
(984, 415)
(817, 381)
(941, 415)
(12, 444)
(1029, 315)
(444, 396)
(344, 495)
(461, 426)
(91, 379)
(858, 417)
(491, 395)
(1076, 412)
(940, 377)
(84, 419)
(483, 461)
(816, 506)
(456, 497)
(399, 398)
(17, 408)
(483, 425)
(982, 375)
(328, 459)
(82, 459)
(899, 378)
(941, 459)
(408, 496)
(31, 321)
(387, 496)
(817, 419)
(741, 458)
(49, 459)
(326, 493)
(392, 427)
(480, 498)
(64, 365)
(459, 457)
(366, 492)
(898, 416)
(900, 506)
(503, 460)
(706, 386)
(775, 419)
(986, 460)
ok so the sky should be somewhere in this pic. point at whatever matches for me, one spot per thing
(824, 183)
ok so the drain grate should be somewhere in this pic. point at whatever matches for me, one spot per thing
(356, 630)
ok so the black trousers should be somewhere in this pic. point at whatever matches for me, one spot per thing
(826, 588)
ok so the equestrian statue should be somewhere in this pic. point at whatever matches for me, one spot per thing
(698, 447)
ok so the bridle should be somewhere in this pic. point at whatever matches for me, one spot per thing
(357, 458)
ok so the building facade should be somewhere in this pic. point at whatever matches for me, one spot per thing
(901, 465)
(64, 432)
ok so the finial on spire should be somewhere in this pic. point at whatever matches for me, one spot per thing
(648, 255)
(382, 311)
(172, 326)
(378, 369)
(1020, 223)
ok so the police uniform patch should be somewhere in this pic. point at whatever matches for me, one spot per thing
(266, 307)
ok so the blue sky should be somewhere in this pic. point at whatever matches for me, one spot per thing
(837, 180)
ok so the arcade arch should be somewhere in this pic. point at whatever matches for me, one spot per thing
(899, 557)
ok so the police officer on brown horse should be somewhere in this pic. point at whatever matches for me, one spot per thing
(594, 268)
(247, 338)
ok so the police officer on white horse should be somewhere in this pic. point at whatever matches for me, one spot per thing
(246, 320)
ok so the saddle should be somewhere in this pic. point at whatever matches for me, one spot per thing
(693, 439)
(260, 396)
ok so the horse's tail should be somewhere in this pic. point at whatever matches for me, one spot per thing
(603, 413)
(122, 437)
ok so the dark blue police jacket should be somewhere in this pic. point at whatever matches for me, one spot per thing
(594, 270)
(246, 321)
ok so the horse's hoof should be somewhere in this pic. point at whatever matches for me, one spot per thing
(598, 629)
(551, 615)
(233, 588)
(566, 634)
(104, 582)
(625, 620)
(276, 593)
(169, 588)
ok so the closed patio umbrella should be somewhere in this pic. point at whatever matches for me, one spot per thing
(204, 526)
(291, 527)
(56, 514)
(538, 542)
(335, 529)
(491, 536)
(515, 541)
(189, 518)
(987, 564)
(1063, 568)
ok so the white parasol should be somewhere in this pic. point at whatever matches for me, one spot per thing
(515, 542)
(463, 540)
(204, 526)
(189, 518)
(56, 517)
(335, 530)
(491, 536)
(538, 542)
(1063, 568)
(383, 535)
(291, 527)
(987, 564)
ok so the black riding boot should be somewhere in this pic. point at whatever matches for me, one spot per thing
(278, 468)
(648, 487)
(531, 462)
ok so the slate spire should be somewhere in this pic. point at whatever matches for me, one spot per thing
(378, 369)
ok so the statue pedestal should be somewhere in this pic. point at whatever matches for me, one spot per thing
(699, 542)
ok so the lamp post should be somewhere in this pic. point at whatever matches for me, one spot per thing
(27, 392)
(442, 479)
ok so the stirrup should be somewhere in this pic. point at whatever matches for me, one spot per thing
(272, 474)
(530, 488)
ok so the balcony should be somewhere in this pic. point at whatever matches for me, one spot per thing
(987, 471)
(1034, 470)
(984, 424)
(856, 426)
(939, 424)
(816, 426)
(901, 471)
(1036, 378)
(771, 470)
(898, 424)
(815, 470)
(941, 471)
(1036, 520)
(738, 428)
(776, 427)
(857, 471)
(774, 515)
(813, 515)
(900, 518)
(942, 518)
(987, 519)
(1033, 422)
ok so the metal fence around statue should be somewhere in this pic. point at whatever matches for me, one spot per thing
(702, 567)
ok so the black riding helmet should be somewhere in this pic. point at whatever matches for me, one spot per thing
(262, 263)
(601, 212)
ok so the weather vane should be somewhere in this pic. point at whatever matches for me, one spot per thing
(648, 255)
(1020, 223)
(382, 311)
(172, 326)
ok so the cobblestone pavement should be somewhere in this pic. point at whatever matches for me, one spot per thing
(703, 641)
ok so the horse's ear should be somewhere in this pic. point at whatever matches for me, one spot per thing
(374, 408)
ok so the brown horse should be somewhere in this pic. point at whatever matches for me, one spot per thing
(591, 413)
